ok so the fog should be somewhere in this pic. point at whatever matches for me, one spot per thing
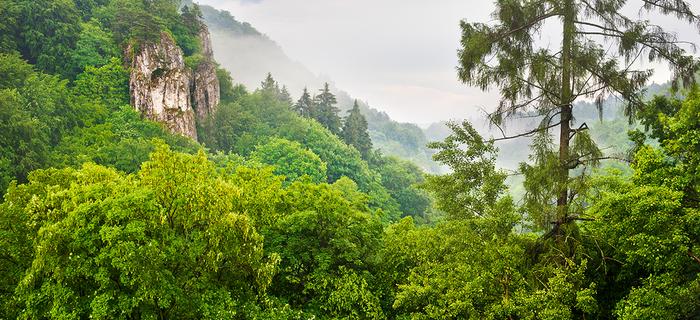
(398, 55)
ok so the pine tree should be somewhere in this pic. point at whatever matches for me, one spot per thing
(269, 85)
(305, 105)
(325, 110)
(284, 96)
(192, 18)
(355, 131)
(597, 58)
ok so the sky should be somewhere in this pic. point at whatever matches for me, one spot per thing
(398, 55)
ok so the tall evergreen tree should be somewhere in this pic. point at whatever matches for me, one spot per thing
(284, 96)
(269, 84)
(597, 58)
(325, 110)
(305, 105)
(355, 131)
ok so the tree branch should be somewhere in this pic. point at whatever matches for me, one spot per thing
(529, 133)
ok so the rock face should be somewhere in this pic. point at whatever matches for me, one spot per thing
(205, 84)
(164, 89)
(160, 85)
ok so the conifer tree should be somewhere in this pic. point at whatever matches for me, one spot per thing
(269, 84)
(192, 17)
(305, 105)
(325, 110)
(598, 57)
(284, 96)
(355, 131)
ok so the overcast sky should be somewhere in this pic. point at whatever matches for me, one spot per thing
(398, 55)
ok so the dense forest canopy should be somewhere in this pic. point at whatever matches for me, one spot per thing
(283, 207)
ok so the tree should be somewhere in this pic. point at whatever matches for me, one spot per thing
(229, 91)
(291, 160)
(165, 243)
(135, 20)
(305, 105)
(326, 112)
(475, 185)
(327, 246)
(506, 55)
(48, 31)
(35, 111)
(355, 131)
(403, 180)
(269, 84)
(107, 85)
(646, 223)
(284, 96)
(95, 47)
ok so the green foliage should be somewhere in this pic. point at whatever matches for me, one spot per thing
(325, 111)
(35, 112)
(193, 61)
(107, 85)
(355, 133)
(290, 160)
(141, 21)
(186, 30)
(305, 105)
(105, 221)
(326, 247)
(229, 91)
(403, 180)
(123, 142)
(45, 33)
(475, 185)
(163, 244)
(507, 54)
(240, 127)
(95, 47)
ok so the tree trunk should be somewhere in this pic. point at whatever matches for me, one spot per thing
(565, 107)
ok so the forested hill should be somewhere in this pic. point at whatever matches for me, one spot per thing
(139, 181)
(251, 55)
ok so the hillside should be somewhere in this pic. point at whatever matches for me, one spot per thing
(138, 180)
(250, 55)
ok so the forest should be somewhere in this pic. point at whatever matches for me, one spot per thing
(252, 203)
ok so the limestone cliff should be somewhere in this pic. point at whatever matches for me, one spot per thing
(164, 89)
(160, 85)
(205, 84)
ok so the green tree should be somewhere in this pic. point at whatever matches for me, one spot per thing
(107, 85)
(648, 223)
(475, 185)
(94, 47)
(47, 33)
(134, 20)
(163, 244)
(327, 250)
(305, 105)
(284, 96)
(506, 55)
(291, 160)
(123, 141)
(36, 111)
(403, 180)
(326, 113)
(269, 85)
(355, 133)
(229, 91)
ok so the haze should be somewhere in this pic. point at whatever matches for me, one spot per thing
(398, 55)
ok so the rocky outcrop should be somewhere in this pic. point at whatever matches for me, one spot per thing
(205, 84)
(164, 89)
(160, 85)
